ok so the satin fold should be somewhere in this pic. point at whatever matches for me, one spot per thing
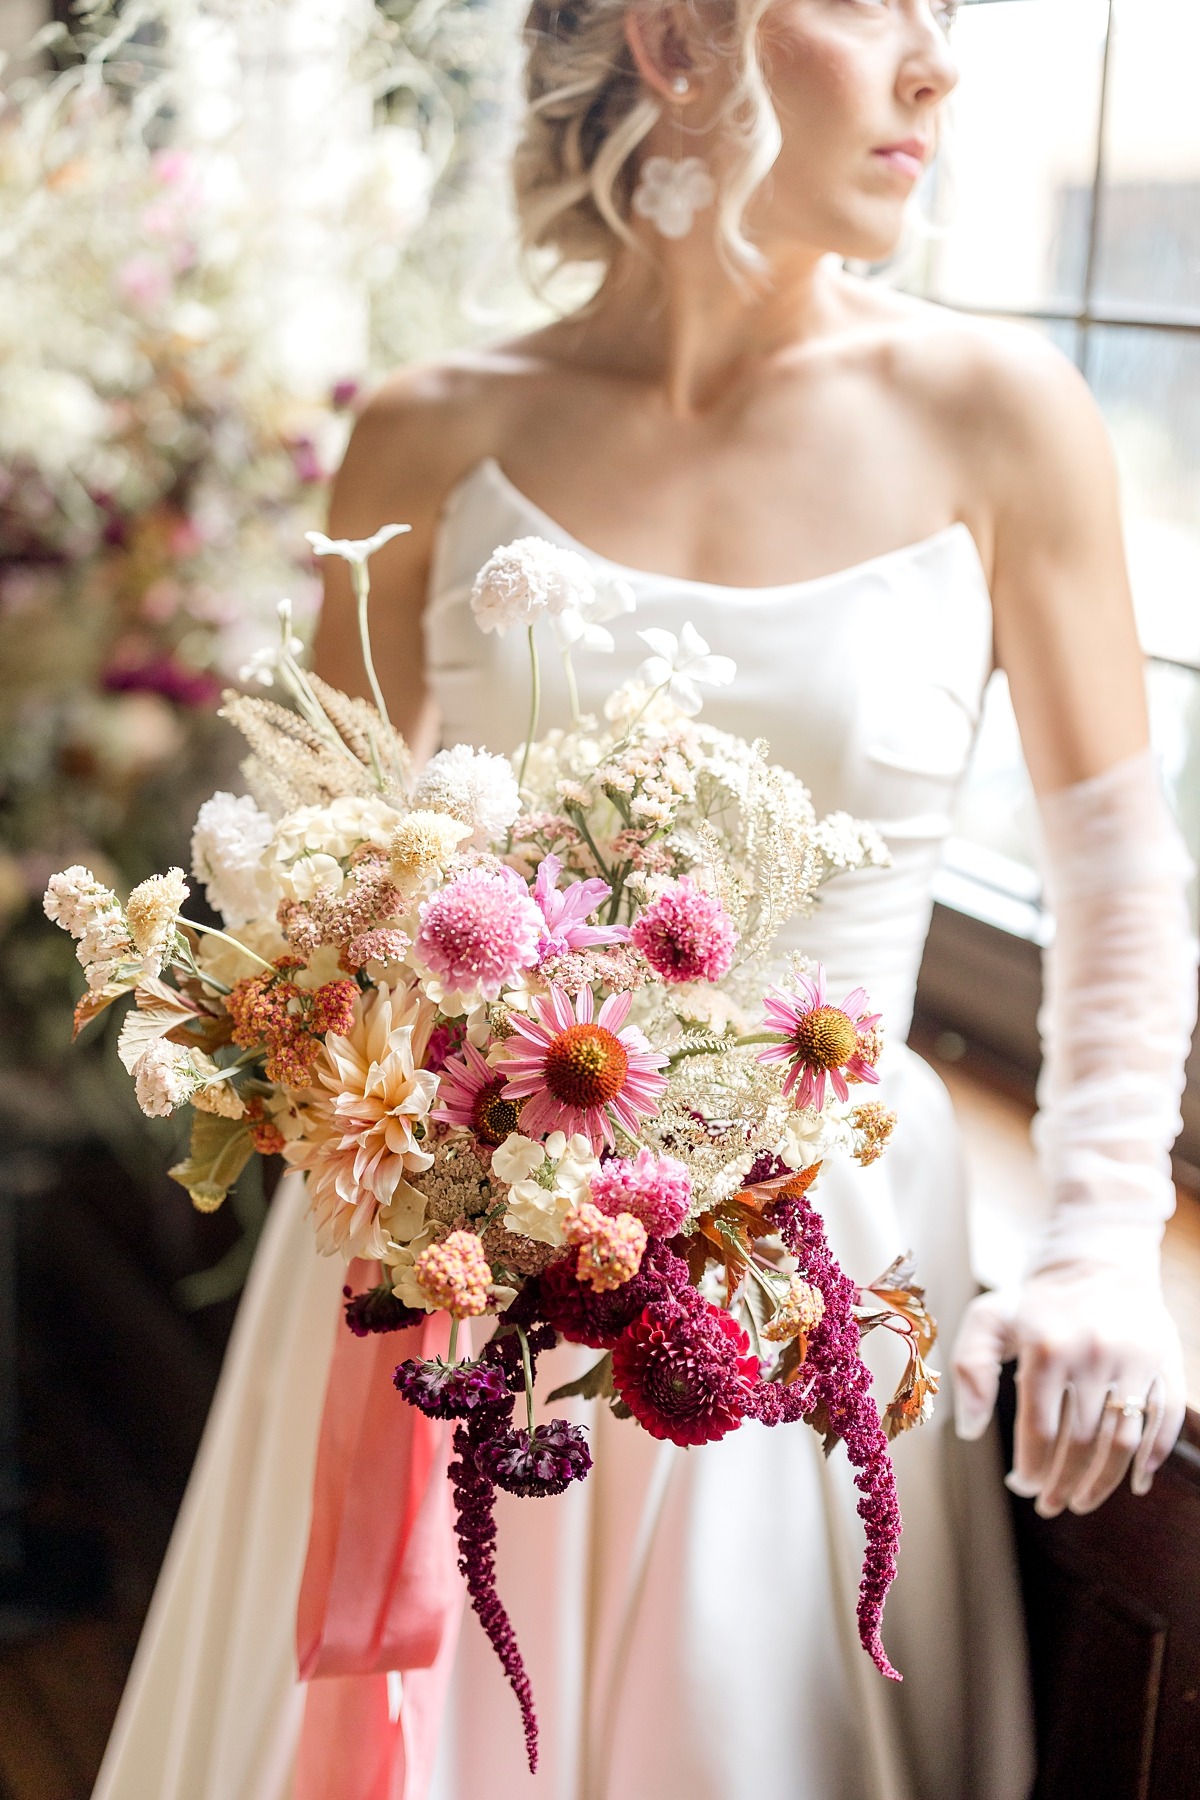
(380, 1597)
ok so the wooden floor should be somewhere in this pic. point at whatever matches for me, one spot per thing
(60, 1683)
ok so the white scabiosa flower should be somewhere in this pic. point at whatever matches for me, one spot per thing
(152, 910)
(473, 786)
(230, 855)
(529, 577)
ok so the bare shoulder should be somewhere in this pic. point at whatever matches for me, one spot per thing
(422, 429)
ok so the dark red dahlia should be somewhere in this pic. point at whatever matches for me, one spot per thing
(685, 1370)
(378, 1309)
(556, 1455)
(452, 1390)
(585, 1317)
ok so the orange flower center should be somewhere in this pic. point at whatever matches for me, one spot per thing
(586, 1066)
(825, 1038)
(492, 1116)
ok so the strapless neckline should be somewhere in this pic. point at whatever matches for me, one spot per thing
(489, 471)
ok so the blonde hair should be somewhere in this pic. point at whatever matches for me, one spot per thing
(587, 111)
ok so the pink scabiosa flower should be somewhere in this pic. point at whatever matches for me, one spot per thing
(821, 1042)
(472, 1094)
(655, 1189)
(581, 1074)
(566, 912)
(686, 934)
(480, 931)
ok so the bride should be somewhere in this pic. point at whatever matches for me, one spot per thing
(866, 501)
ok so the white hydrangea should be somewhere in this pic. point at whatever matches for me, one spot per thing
(529, 577)
(152, 909)
(473, 786)
(230, 855)
(337, 828)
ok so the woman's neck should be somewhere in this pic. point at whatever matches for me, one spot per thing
(683, 323)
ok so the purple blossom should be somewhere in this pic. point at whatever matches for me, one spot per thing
(452, 1390)
(566, 912)
(546, 1463)
(377, 1309)
(165, 676)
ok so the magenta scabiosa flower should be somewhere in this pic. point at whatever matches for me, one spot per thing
(686, 934)
(685, 1370)
(819, 1041)
(544, 1462)
(377, 1309)
(452, 1390)
(579, 1073)
(472, 1094)
(655, 1189)
(480, 931)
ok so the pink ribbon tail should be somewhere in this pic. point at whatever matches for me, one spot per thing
(381, 1591)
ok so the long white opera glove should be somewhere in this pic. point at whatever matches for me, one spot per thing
(1099, 1364)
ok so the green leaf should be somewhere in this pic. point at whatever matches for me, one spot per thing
(219, 1151)
(594, 1384)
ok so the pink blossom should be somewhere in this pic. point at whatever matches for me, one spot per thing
(686, 934)
(655, 1189)
(579, 1074)
(480, 931)
(566, 912)
(471, 1094)
(818, 1040)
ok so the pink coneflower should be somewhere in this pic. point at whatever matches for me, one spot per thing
(566, 912)
(472, 1094)
(819, 1041)
(579, 1074)
(686, 934)
(480, 931)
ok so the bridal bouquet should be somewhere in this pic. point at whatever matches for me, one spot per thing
(518, 1023)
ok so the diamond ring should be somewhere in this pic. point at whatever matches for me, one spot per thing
(1131, 1408)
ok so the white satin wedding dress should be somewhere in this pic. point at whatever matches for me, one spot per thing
(725, 1665)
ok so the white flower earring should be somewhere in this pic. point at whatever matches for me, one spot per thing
(671, 191)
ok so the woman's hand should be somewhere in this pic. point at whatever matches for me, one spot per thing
(1100, 1384)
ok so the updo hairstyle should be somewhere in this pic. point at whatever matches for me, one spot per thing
(587, 111)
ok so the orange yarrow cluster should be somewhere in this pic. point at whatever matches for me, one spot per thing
(290, 1021)
(610, 1250)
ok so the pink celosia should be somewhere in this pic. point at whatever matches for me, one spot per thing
(471, 1093)
(818, 1040)
(480, 931)
(610, 1249)
(579, 1074)
(566, 912)
(686, 934)
(655, 1189)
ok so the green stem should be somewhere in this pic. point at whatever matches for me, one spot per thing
(525, 1364)
(362, 593)
(572, 689)
(211, 931)
(452, 1353)
(535, 705)
(576, 814)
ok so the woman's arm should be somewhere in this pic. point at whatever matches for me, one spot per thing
(1099, 1366)
(416, 436)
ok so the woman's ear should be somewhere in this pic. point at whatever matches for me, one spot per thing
(658, 41)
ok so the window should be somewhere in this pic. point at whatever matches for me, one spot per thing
(1069, 198)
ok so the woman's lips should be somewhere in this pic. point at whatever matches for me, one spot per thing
(908, 158)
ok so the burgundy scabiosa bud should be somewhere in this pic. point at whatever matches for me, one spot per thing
(378, 1309)
(451, 1390)
(544, 1462)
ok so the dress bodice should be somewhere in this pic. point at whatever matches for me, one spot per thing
(867, 683)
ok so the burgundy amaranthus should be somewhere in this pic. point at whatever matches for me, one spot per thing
(835, 1378)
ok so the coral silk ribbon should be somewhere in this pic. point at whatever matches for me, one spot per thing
(380, 1590)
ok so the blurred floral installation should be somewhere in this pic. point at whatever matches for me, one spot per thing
(219, 221)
